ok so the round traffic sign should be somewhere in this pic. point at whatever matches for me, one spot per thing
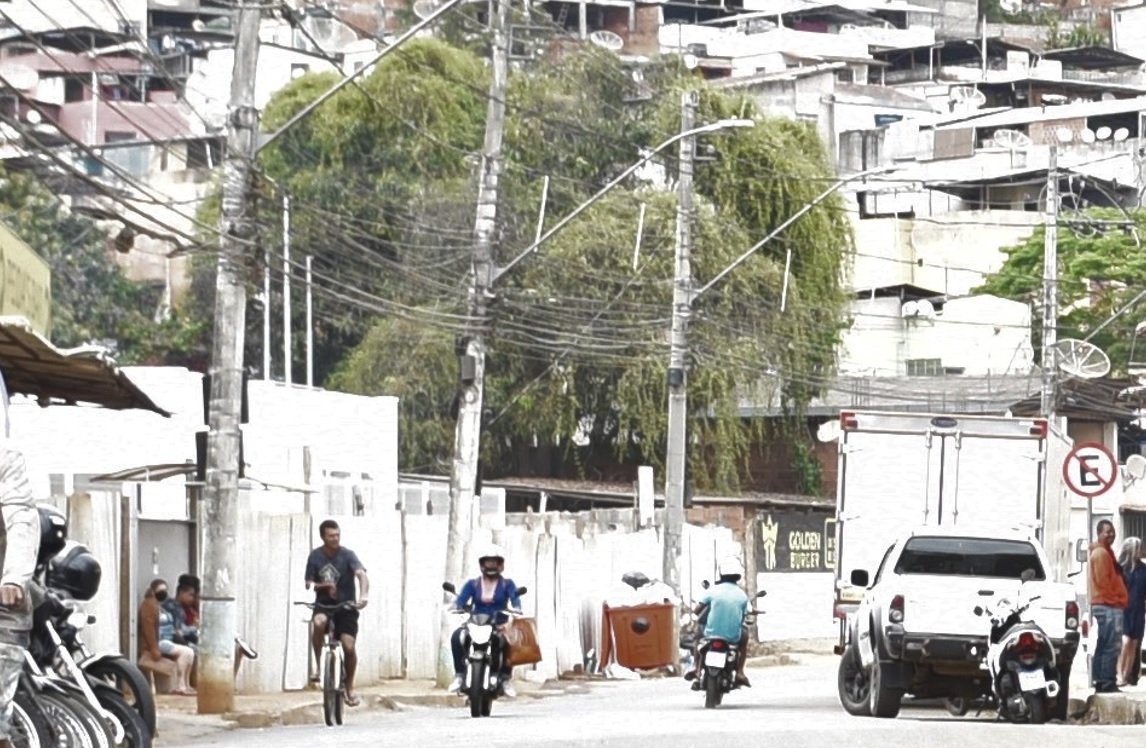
(1090, 469)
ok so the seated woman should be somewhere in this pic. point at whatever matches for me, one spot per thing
(158, 651)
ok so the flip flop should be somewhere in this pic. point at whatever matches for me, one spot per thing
(352, 700)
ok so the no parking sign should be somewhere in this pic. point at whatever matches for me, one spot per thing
(1090, 469)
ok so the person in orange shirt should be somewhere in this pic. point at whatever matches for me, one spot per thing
(1108, 598)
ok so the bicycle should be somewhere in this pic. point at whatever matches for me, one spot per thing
(332, 667)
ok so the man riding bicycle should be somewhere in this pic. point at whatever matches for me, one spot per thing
(332, 571)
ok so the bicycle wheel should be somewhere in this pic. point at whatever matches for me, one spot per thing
(64, 717)
(340, 699)
(330, 697)
(135, 733)
(30, 727)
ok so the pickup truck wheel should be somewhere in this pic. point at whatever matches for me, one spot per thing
(1062, 702)
(853, 684)
(884, 701)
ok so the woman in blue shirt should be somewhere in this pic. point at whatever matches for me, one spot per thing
(490, 594)
(1134, 617)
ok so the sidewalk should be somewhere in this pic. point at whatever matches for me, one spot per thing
(180, 723)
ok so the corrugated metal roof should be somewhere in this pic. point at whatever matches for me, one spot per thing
(32, 366)
(1026, 115)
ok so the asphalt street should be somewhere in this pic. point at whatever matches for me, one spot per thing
(789, 706)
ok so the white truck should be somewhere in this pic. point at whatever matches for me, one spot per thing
(936, 514)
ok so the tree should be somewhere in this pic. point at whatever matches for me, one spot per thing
(93, 302)
(386, 180)
(1099, 273)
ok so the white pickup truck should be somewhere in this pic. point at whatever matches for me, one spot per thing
(915, 631)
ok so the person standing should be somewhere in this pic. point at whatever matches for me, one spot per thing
(1134, 617)
(332, 570)
(1107, 592)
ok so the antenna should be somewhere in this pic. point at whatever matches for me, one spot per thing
(607, 39)
(1081, 359)
(1011, 139)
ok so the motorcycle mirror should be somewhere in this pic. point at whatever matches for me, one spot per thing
(704, 584)
(761, 593)
(450, 588)
(978, 610)
(1027, 575)
(522, 590)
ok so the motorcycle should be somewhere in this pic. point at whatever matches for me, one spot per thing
(56, 622)
(485, 646)
(1025, 681)
(718, 659)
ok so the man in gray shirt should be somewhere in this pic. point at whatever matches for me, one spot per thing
(332, 570)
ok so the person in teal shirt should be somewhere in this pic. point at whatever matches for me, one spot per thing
(727, 606)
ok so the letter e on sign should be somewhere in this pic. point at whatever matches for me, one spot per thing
(1090, 469)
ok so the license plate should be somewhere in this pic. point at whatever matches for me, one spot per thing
(715, 659)
(1032, 680)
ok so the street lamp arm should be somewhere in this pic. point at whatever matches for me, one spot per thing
(711, 127)
(780, 229)
(444, 8)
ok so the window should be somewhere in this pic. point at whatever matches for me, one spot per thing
(924, 367)
(969, 557)
(883, 564)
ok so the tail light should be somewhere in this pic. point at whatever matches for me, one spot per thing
(1027, 648)
(718, 645)
(1039, 427)
(1084, 629)
(1071, 616)
(848, 421)
(895, 611)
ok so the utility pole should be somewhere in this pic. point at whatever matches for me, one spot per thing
(287, 375)
(467, 436)
(676, 456)
(309, 321)
(216, 685)
(1050, 287)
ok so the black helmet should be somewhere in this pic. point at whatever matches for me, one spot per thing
(75, 572)
(53, 533)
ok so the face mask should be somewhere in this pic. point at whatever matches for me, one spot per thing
(161, 596)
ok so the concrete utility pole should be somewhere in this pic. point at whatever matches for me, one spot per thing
(676, 456)
(216, 684)
(1050, 288)
(288, 376)
(467, 437)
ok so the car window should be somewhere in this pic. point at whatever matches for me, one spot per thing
(969, 557)
(883, 563)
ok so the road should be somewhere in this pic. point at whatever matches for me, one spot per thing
(791, 706)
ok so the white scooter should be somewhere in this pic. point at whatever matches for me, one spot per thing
(1025, 682)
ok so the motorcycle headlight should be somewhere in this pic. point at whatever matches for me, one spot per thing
(480, 634)
(77, 619)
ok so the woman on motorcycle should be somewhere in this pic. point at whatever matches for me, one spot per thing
(490, 594)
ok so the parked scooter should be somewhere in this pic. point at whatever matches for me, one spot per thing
(485, 647)
(718, 658)
(1025, 682)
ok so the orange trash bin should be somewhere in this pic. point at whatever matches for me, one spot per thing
(642, 636)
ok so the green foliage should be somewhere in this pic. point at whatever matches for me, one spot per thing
(1088, 35)
(1098, 275)
(576, 349)
(92, 300)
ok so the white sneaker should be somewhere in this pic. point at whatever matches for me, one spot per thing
(456, 686)
(508, 689)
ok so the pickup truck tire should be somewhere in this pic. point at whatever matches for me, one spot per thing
(884, 701)
(853, 684)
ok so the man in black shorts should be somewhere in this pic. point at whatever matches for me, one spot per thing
(332, 570)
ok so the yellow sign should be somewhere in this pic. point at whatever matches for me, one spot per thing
(25, 282)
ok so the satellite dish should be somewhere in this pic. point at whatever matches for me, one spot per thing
(1121, 134)
(691, 61)
(33, 117)
(910, 309)
(829, 431)
(198, 26)
(425, 8)
(1136, 467)
(926, 309)
(1081, 359)
(1010, 139)
(1064, 134)
(1087, 135)
(167, 43)
(967, 96)
(607, 39)
(1102, 133)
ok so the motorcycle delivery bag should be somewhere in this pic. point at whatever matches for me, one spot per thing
(521, 642)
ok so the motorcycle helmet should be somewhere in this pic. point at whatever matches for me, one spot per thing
(75, 571)
(730, 568)
(492, 561)
(53, 533)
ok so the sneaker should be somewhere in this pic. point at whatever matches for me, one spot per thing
(246, 649)
(508, 689)
(456, 686)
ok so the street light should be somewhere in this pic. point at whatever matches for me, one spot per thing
(722, 124)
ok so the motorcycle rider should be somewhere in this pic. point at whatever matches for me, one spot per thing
(725, 606)
(19, 545)
(490, 594)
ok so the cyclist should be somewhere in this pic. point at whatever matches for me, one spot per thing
(490, 594)
(332, 570)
